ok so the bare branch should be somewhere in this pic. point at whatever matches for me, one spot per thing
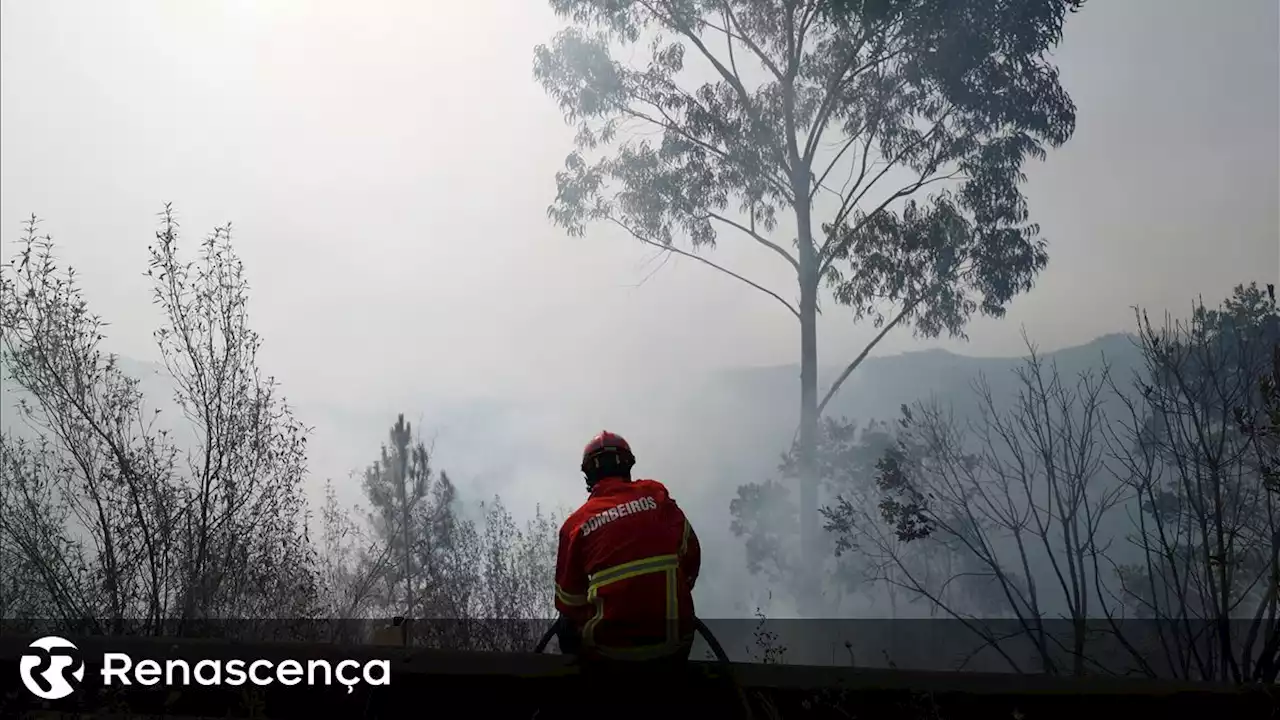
(758, 238)
(684, 253)
(848, 370)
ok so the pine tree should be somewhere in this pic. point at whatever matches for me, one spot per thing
(398, 487)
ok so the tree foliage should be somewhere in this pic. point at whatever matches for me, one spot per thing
(944, 90)
(1262, 427)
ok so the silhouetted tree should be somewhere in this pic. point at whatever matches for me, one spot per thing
(398, 487)
(1016, 495)
(108, 516)
(43, 571)
(517, 567)
(897, 95)
(475, 584)
(1262, 424)
(1028, 497)
(1208, 529)
(353, 561)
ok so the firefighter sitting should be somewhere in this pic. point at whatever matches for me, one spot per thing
(627, 563)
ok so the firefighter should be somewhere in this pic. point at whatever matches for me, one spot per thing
(627, 563)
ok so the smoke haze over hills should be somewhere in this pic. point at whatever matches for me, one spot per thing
(704, 437)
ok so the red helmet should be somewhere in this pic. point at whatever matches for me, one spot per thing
(606, 451)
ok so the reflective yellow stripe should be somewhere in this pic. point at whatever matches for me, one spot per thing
(684, 539)
(673, 600)
(588, 630)
(665, 564)
(631, 569)
(570, 598)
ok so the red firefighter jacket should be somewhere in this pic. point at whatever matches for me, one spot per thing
(625, 571)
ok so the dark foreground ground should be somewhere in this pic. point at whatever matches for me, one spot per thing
(445, 684)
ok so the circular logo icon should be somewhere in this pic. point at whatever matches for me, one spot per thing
(52, 668)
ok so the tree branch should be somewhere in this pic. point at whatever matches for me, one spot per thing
(835, 386)
(671, 248)
(831, 166)
(728, 41)
(754, 47)
(758, 238)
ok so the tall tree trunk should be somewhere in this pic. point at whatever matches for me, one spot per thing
(810, 533)
(402, 484)
(404, 532)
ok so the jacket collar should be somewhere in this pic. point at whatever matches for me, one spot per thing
(608, 482)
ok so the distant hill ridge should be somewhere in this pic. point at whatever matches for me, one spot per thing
(1112, 344)
(883, 383)
(876, 390)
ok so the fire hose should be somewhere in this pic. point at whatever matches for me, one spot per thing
(721, 657)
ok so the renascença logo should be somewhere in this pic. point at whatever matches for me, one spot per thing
(51, 668)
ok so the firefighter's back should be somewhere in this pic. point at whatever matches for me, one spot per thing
(633, 537)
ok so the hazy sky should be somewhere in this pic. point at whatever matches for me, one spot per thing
(388, 165)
